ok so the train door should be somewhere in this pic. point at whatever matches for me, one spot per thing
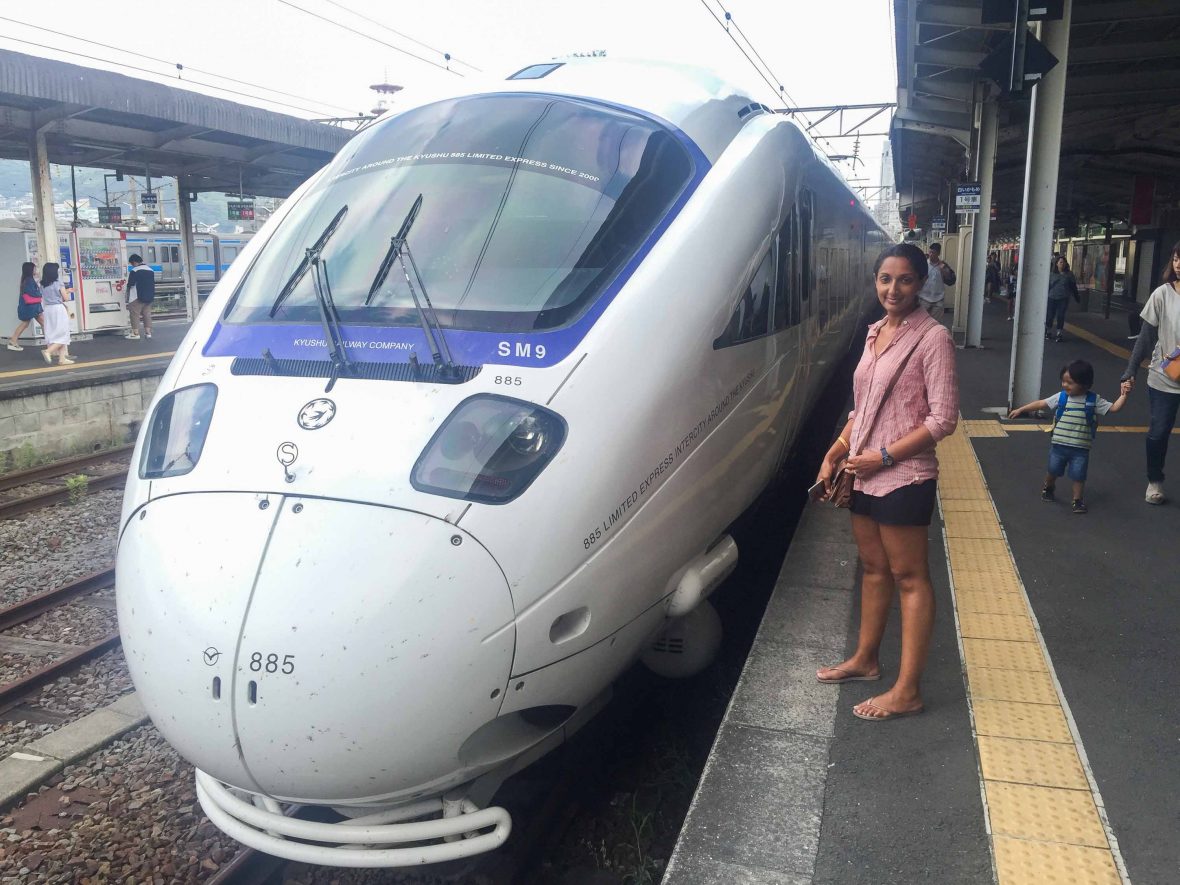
(203, 260)
(809, 316)
(169, 260)
(790, 349)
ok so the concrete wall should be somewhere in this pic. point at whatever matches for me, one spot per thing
(67, 422)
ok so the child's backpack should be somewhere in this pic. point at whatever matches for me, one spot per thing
(1091, 411)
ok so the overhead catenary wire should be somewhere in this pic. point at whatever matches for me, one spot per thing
(130, 67)
(772, 81)
(180, 67)
(385, 43)
(446, 55)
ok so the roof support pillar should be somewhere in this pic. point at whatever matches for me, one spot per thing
(1036, 224)
(46, 223)
(988, 116)
(188, 266)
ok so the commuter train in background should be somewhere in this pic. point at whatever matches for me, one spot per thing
(160, 250)
(462, 435)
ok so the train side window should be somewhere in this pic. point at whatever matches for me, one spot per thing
(175, 254)
(151, 254)
(228, 254)
(751, 315)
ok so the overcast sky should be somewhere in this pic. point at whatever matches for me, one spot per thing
(828, 52)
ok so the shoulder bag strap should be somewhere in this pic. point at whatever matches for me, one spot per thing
(889, 388)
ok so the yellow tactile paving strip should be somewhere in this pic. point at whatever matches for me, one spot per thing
(986, 427)
(1043, 810)
(84, 363)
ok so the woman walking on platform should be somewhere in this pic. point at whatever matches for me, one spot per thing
(56, 317)
(28, 304)
(905, 399)
(1159, 337)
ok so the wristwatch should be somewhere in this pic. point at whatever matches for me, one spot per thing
(886, 458)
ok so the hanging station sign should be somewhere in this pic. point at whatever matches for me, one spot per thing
(967, 197)
(110, 215)
(240, 211)
(938, 224)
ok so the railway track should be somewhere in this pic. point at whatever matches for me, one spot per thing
(12, 505)
(14, 692)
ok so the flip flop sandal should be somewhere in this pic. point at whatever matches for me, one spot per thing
(851, 677)
(888, 714)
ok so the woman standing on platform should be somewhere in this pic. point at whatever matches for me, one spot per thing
(1159, 337)
(28, 304)
(56, 317)
(905, 399)
(1062, 285)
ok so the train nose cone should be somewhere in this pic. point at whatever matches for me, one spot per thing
(368, 643)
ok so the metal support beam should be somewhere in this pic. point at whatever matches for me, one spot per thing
(47, 248)
(947, 58)
(1036, 226)
(987, 160)
(188, 266)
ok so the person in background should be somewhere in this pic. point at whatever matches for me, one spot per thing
(1075, 427)
(934, 290)
(1062, 286)
(28, 304)
(56, 318)
(991, 279)
(896, 477)
(141, 292)
(1159, 336)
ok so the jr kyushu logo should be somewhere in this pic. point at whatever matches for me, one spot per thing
(317, 414)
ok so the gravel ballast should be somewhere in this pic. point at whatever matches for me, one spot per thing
(55, 545)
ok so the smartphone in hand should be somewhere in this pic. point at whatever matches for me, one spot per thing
(817, 491)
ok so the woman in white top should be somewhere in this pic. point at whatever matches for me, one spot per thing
(56, 318)
(1159, 336)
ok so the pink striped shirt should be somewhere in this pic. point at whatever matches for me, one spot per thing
(926, 394)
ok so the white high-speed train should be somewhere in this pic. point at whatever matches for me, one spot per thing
(462, 431)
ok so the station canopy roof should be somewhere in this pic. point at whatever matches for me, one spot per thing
(110, 121)
(1122, 109)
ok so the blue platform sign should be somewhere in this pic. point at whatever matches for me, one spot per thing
(967, 197)
(938, 224)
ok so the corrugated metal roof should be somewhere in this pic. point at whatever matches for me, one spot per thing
(93, 117)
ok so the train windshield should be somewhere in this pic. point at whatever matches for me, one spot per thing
(531, 205)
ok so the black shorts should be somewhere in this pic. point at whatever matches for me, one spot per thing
(909, 505)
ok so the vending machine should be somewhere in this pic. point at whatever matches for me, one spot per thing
(98, 272)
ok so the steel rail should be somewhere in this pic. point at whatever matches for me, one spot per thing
(31, 606)
(15, 692)
(59, 468)
(20, 506)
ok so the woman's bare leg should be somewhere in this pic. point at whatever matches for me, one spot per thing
(906, 549)
(876, 594)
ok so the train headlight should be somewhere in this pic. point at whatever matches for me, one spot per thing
(176, 433)
(490, 450)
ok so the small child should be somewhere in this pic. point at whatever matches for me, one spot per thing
(1077, 410)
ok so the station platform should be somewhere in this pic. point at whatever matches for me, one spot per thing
(1047, 750)
(102, 359)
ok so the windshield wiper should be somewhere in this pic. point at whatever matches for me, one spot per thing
(305, 264)
(399, 250)
(329, 318)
